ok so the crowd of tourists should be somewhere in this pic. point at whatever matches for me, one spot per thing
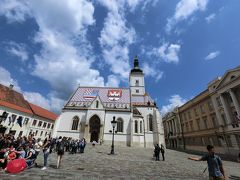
(27, 149)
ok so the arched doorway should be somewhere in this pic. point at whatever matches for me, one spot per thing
(94, 128)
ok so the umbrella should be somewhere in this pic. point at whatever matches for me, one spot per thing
(16, 166)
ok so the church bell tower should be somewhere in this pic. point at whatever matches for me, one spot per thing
(136, 79)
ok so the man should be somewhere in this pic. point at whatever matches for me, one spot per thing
(162, 152)
(215, 166)
(157, 152)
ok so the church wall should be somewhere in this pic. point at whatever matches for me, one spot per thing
(63, 125)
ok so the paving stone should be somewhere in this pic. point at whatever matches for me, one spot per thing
(129, 164)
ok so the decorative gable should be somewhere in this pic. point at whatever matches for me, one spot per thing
(96, 104)
(228, 77)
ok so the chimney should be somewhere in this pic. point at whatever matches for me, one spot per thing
(11, 86)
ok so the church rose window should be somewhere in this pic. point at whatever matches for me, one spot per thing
(119, 125)
(75, 123)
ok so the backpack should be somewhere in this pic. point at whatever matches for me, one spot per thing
(61, 146)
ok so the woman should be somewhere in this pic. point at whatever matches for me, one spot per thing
(46, 151)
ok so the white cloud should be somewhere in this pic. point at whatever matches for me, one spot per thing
(6, 79)
(18, 50)
(212, 55)
(116, 38)
(210, 17)
(152, 72)
(184, 9)
(174, 101)
(113, 81)
(167, 52)
(14, 10)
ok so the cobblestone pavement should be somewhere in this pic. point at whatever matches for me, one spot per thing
(129, 163)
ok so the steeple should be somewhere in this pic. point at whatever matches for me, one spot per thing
(136, 68)
(136, 79)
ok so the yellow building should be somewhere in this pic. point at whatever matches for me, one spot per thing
(212, 117)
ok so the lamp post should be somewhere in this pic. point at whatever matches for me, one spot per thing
(114, 123)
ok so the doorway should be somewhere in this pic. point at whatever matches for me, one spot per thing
(94, 128)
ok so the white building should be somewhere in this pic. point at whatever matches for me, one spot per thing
(89, 111)
(21, 118)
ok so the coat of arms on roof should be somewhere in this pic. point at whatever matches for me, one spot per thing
(90, 93)
(114, 94)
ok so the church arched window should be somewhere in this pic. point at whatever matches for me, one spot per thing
(150, 122)
(75, 123)
(141, 127)
(119, 125)
(97, 103)
(136, 126)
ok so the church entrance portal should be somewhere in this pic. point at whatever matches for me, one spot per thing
(94, 128)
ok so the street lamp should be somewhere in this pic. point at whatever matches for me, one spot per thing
(114, 123)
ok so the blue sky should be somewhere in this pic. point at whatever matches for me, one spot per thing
(48, 48)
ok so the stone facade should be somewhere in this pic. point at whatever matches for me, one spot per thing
(212, 117)
(90, 110)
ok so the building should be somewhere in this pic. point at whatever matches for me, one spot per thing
(21, 118)
(89, 111)
(212, 117)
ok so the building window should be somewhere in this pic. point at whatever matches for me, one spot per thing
(20, 133)
(195, 112)
(219, 103)
(36, 132)
(137, 83)
(41, 133)
(141, 127)
(34, 122)
(136, 126)
(52, 126)
(214, 122)
(205, 122)
(26, 120)
(44, 124)
(137, 90)
(49, 125)
(45, 134)
(198, 124)
(13, 118)
(202, 109)
(191, 125)
(119, 125)
(75, 123)
(224, 119)
(187, 127)
(229, 141)
(150, 122)
(210, 106)
(39, 123)
(97, 104)
(189, 115)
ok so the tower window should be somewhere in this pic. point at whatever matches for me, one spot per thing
(137, 83)
(137, 90)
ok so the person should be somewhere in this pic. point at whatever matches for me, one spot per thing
(30, 157)
(157, 152)
(60, 150)
(215, 165)
(162, 149)
(37, 147)
(82, 145)
(46, 152)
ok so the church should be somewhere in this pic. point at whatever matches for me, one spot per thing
(89, 111)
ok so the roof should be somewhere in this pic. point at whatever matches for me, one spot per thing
(136, 112)
(142, 100)
(110, 97)
(43, 112)
(14, 100)
(15, 107)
